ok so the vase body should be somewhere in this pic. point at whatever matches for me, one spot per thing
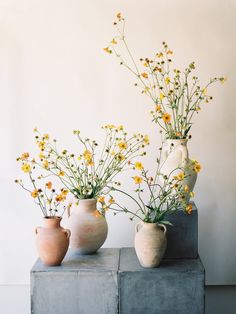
(52, 241)
(175, 159)
(88, 229)
(150, 243)
(174, 155)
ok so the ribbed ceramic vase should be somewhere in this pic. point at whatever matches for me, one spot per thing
(150, 243)
(175, 155)
(52, 241)
(88, 229)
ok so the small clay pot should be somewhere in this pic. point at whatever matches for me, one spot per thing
(150, 243)
(52, 241)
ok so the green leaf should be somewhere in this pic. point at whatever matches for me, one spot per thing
(165, 222)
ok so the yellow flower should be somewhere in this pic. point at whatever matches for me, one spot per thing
(161, 96)
(137, 180)
(189, 208)
(41, 145)
(158, 108)
(34, 193)
(45, 164)
(204, 91)
(35, 130)
(41, 155)
(61, 173)
(107, 50)
(159, 55)
(223, 79)
(64, 192)
(120, 128)
(113, 153)
(111, 201)
(186, 188)
(101, 199)
(122, 145)
(176, 186)
(146, 139)
(87, 155)
(166, 117)
(114, 42)
(169, 52)
(138, 165)
(145, 75)
(118, 15)
(105, 207)
(59, 198)
(46, 136)
(191, 194)
(120, 157)
(167, 80)
(26, 168)
(90, 162)
(49, 185)
(24, 156)
(197, 167)
(79, 158)
(180, 176)
(109, 126)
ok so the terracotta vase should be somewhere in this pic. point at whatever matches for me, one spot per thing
(52, 241)
(150, 243)
(88, 228)
(175, 155)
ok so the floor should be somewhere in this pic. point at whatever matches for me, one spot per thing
(16, 299)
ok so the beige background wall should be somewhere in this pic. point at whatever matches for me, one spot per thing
(55, 75)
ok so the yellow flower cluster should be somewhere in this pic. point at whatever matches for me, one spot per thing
(176, 91)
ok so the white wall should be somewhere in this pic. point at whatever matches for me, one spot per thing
(55, 75)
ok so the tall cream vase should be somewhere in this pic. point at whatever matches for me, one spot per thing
(175, 155)
(88, 229)
(150, 243)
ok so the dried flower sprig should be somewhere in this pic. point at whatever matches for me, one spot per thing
(157, 196)
(88, 174)
(177, 95)
(51, 202)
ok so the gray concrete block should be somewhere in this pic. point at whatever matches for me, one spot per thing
(176, 286)
(182, 237)
(83, 284)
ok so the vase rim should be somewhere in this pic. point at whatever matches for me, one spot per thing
(84, 200)
(176, 139)
(149, 223)
(53, 217)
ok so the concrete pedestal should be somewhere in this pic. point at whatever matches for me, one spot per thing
(182, 237)
(81, 285)
(176, 286)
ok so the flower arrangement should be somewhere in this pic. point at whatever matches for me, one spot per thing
(88, 175)
(177, 95)
(51, 203)
(162, 200)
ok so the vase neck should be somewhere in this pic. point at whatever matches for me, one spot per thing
(88, 205)
(176, 142)
(52, 222)
(149, 225)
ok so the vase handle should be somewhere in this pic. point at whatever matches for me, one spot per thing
(163, 227)
(68, 211)
(184, 153)
(37, 230)
(137, 227)
(67, 232)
